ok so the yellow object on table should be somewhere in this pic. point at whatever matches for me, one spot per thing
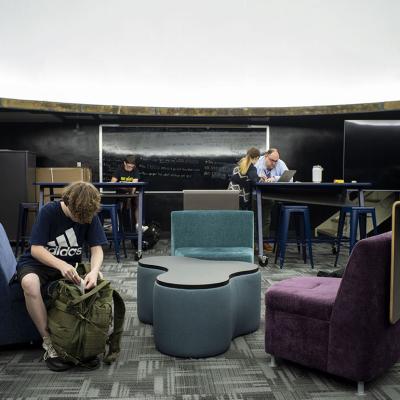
(338, 181)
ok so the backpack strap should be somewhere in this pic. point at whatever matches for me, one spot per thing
(85, 296)
(114, 340)
(66, 307)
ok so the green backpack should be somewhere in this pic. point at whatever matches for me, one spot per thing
(79, 323)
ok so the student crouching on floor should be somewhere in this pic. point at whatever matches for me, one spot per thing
(57, 239)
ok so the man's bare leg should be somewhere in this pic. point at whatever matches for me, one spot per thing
(34, 302)
(37, 310)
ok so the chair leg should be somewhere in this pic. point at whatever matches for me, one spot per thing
(283, 238)
(307, 225)
(277, 247)
(339, 235)
(374, 223)
(114, 224)
(298, 231)
(360, 388)
(121, 232)
(362, 222)
(272, 361)
(353, 229)
(303, 236)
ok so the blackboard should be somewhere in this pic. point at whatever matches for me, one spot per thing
(177, 158)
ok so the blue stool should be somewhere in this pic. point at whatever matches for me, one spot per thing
(278, 205)
(24, 209)
(283, 230)
(117, 233)
(357, 217)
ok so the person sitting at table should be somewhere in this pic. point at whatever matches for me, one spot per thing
(244, 175)
(128, 172)
(270, 168)
(57, 238)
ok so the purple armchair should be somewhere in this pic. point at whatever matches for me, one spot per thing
(340, 326)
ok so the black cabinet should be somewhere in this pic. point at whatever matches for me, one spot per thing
(17, 171)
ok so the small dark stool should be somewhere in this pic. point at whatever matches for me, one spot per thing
(117, 234)
(24, 209)
(278, 205)
(283, 231)
(357, 217)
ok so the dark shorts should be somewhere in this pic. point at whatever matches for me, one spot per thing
(45, 274)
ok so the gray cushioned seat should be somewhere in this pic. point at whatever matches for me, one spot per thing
(198, 306)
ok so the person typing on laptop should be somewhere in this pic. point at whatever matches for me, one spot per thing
(270, 168)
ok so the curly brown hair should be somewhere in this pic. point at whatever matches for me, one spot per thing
(82, 200)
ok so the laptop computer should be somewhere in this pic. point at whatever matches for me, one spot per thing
(210, 199)
(287, 175)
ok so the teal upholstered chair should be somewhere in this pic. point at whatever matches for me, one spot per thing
(213, 234)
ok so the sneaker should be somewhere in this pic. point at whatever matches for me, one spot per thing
(144, 228)
(48, 347)
(53, 361)
(91, 363)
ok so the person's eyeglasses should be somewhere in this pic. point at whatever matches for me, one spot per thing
(272, 160)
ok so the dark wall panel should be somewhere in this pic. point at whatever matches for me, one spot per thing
(301, 147)
(55, 145)
(372, 153)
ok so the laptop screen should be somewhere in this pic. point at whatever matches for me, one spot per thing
(210, 200)
(287, 175)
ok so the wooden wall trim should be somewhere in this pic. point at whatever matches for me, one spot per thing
(50, 106)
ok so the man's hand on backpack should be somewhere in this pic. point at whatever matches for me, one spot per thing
(69, 272)
(91, 280)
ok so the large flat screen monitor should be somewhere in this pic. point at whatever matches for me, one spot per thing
(372, 153)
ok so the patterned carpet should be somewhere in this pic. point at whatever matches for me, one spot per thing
(242, 373)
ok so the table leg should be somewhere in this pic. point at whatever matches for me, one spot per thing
(140, 223)
(363, 226)
(361, 201)
(259, 223)
(363, 217)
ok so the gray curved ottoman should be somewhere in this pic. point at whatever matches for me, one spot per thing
(198, 306)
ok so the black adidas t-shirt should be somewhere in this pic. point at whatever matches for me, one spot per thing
(61, 236)
(125, 176)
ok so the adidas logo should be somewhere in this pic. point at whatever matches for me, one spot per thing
(65, 245)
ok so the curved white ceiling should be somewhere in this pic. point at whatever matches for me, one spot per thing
(201, 53)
